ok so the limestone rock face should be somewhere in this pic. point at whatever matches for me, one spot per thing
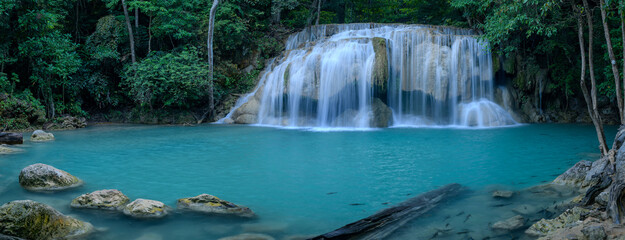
(510, 224)
(109, 199)
(70, 122)
(32, 220)
(210, 204)
(41, 136)
(248, 112)
(42, 177)
(382, 114)
(144, 208)
(576, 175)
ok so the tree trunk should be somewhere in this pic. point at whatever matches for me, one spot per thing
(623, 39)
(130, 35)
(591, 98)
(615, 72)
(318, 11)
(150, 35)
(276, 9)
(136, 19)
(209, 43)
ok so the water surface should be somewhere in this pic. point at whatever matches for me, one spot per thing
(298, 182)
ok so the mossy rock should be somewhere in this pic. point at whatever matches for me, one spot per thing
(108, 199)
(144, 208)
(380, 67)
(210, 204)
(42, 177)
(32, 220)
(566, 219)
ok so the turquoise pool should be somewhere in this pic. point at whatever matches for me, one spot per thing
(299, 182)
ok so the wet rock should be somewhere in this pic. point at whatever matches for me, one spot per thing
(602, 198)
(510, 224)
(380, 67)
(41, 136)
(210, 204)
(144, 208)
(249, 236)
(11, 138)
(568, 218)
(594, 233)
(32, 220)
(382, 114)
(228, 121)
(502, 194)
(70, 122)
(109, 199)
(42, 177)
(576, 175)
(248, 112)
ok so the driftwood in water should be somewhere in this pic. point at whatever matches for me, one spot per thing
(385, 222)
(11, 138)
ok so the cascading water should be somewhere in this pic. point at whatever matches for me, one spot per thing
(376, 75)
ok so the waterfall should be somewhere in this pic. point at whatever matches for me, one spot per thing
(376, 75)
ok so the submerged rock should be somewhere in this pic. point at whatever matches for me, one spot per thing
(510, 224)
(32, 220)
(576, 175)
(502, 194)
(41, 136)
(42, 177)
(144, 208)
(109, 199)
(249, 236)
(4, 149)
(210, 204)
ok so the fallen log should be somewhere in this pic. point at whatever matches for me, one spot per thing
(385, 222)
(11, 138)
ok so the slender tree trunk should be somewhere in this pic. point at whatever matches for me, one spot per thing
(209, 44)
(615, 71)
(276, 9)
(591, 98)
(318, 11)
(150, 35)
(136, 19)
(130, 35)
(623, 40)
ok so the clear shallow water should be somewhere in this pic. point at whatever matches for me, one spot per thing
(285, 175)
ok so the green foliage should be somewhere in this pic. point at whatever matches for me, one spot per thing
(174, 80)
(20, 111)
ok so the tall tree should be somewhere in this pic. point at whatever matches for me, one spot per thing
(615, 71)
(591, 99)
(209, 44)
(130, 35)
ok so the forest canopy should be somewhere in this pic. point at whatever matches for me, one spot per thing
(85, 57)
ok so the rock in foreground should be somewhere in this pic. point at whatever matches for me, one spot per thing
(42, 177)
(32, 220)
(41, 136)
(109, 199)
(144, 208)
(210, 204)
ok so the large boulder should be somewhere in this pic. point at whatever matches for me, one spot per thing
(382, 114)
(210, 204)
(144, 208)
(108, 199)
(576, 175)
(41, 136)
(42, 177)
(11, 138)
(246, 114)
(32, 220)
